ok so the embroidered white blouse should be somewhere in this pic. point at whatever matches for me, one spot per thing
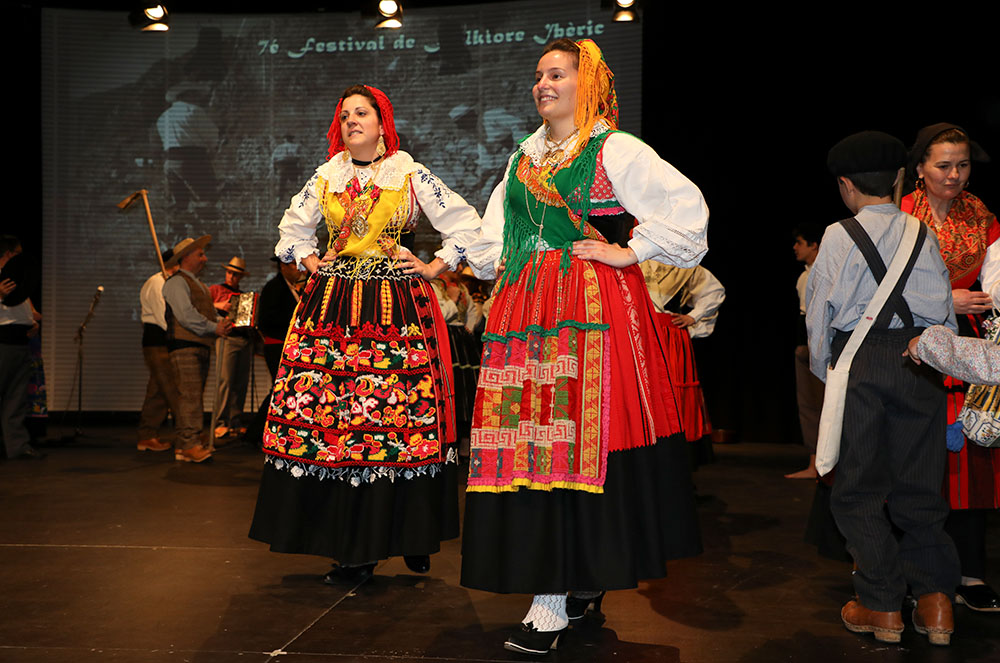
(449, 214)
(670, 210)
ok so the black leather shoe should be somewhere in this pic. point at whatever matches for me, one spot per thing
(418, 563)
(349, 575)
(529, 640)
(577, 608)
(980, 598)
(30, 453)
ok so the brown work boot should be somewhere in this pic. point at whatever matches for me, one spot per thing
(196, 454)
(933, 617)
(153, 444)
(887, 626)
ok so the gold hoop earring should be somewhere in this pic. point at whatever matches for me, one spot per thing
(919, 183)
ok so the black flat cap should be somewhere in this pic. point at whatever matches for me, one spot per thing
(866, 152)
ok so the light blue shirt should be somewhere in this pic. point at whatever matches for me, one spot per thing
(841, 285)
(178, 297)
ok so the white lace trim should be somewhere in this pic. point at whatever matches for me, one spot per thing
(339, 171)
(359, 475)
(534, 145)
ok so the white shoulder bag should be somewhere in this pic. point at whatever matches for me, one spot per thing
(832, 419)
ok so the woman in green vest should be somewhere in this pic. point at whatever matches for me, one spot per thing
(579, 478)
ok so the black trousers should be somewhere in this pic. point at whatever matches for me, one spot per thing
(892, 458)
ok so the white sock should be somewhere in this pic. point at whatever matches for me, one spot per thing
(547, 612)
(967, 581)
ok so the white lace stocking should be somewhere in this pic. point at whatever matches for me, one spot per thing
(547, 612)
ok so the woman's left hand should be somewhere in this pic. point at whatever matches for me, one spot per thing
(681, 320)
(411, 264)
(609, 254)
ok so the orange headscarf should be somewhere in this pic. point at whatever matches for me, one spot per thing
(595, 92)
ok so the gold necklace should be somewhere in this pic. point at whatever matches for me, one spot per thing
(555, 152)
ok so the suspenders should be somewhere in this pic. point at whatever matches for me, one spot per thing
(896, 303)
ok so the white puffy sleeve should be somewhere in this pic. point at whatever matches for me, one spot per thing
(989, 274)
(706, 294)
(671, 212)
(297, 229)
(484, 255)
(456, 220)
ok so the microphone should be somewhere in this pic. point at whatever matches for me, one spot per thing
(96, 299)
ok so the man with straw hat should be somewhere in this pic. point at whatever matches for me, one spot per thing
(232, 354)
(192, 326)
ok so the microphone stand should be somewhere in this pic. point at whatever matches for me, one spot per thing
(78, 339)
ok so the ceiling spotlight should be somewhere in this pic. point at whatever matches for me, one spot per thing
(391, 15)
(624, 15)
(624, 4)
(150, 18)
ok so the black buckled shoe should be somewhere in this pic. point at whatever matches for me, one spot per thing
(418, 563)
(577, 608)
(980, 598)
(529, 640)
(349, 575)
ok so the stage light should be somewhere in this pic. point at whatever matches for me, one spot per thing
(622, 10)
(150, 18)
(391, 15)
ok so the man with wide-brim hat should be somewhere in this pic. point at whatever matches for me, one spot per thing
(192, 327)
(161, 389)
(233, 354)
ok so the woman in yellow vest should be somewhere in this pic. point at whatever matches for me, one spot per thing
(359, 443)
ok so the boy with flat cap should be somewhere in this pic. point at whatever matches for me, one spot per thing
(892, 446)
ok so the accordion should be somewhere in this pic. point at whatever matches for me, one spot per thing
(243, 309)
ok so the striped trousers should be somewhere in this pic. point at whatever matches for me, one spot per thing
(892, 458)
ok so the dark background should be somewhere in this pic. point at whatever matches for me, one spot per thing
(745, 104)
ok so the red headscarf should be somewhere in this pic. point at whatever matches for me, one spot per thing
(388, 125)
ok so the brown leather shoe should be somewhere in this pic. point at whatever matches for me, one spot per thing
(196, 454)
(887, 626)
(153, 444)
(933, 617)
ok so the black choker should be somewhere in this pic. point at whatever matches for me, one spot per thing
(358, 162)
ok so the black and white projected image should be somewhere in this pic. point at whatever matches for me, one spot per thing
(224, 118)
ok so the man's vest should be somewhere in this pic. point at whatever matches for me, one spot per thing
(202, 302)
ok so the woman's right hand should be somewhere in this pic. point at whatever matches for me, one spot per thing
(311, 262)
(314, 262)
(967, 301)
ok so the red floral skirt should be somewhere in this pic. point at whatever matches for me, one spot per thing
(364, 389)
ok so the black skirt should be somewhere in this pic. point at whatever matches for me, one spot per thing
(466, 352)
(356, 524)
(542, 542)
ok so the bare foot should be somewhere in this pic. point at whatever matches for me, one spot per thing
(808, 473)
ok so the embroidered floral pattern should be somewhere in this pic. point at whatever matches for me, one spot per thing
(359, 475)
(362, 396)
(440, 190)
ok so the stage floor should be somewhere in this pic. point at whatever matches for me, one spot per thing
(109, 554)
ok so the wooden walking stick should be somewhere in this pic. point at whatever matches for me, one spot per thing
(127, 203)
